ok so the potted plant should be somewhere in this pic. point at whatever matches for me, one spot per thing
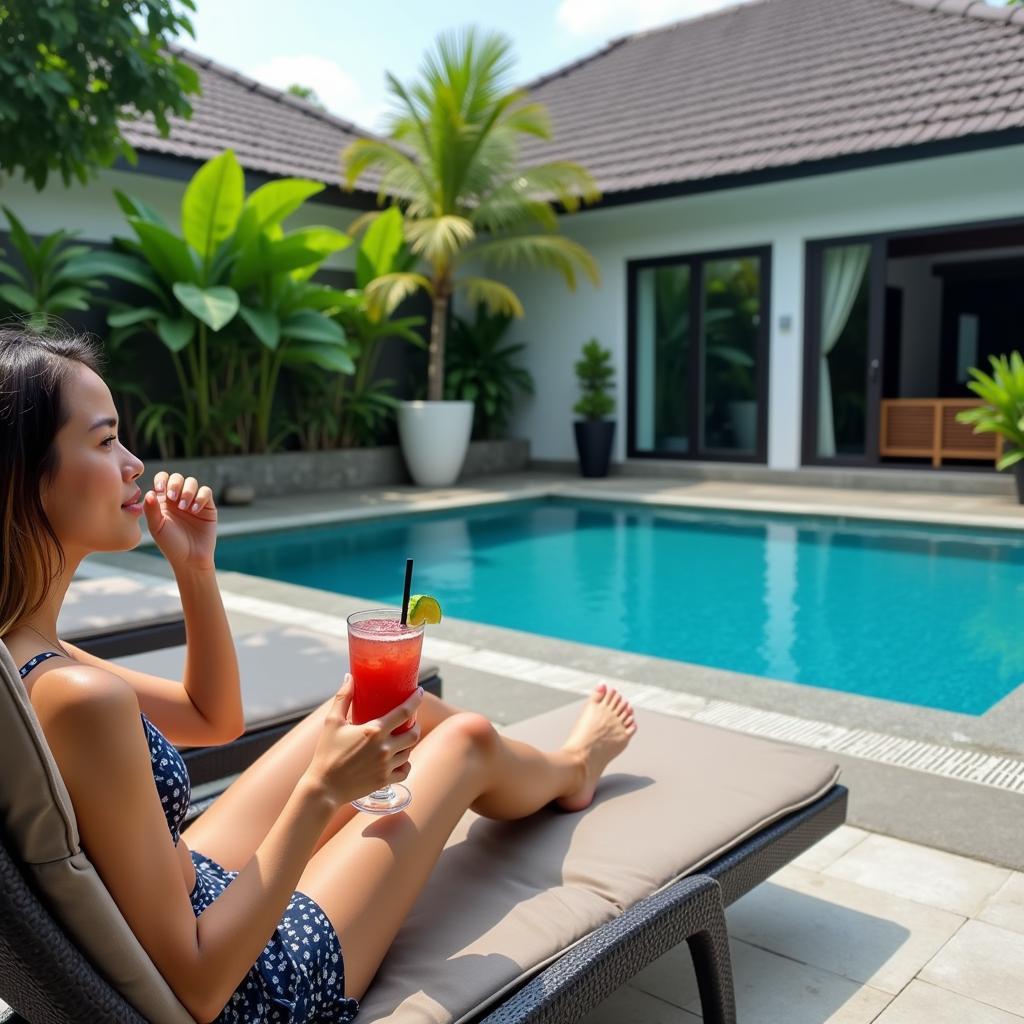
(594, 433)
(1002, 411)
(451, 158)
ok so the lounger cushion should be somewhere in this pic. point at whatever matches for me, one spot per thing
(285, 671)
(507, 898)
(106, 603)
(37, 816)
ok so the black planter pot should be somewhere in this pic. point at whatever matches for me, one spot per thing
(1019, 473)
(594, 445)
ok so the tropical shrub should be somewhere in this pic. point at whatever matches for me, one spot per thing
(72, 72)
(230, 298)
(481, 368)
(595, 374)
(452, 158)
(56, 276)
(1003, 411)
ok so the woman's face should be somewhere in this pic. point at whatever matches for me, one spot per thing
(93, 502)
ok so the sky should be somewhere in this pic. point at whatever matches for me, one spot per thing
(343, 48)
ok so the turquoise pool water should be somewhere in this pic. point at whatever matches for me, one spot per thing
(924, 615)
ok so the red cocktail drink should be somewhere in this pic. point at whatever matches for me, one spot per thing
(384, 659)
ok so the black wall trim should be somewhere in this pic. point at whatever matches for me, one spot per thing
(832, 165)
(178, 168)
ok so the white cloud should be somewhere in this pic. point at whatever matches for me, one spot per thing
(615, 17)
(337, 90)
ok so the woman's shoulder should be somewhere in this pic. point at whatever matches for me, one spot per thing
(93, 695)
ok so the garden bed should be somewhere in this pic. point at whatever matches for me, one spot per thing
(338, 469)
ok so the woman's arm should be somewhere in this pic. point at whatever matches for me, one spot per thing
(182, 518)
(91, 721)
(211, 665)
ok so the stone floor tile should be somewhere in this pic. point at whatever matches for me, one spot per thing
(921, 1003)
(629, 1005)
(861, 933)
(983, 962)
(828, 850)
(770, 989)
(1006, 907)
(920, 873)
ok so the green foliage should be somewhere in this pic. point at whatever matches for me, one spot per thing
(452, 155)
(305, 92)
(483, 370)
(55, 276)
(1003, 411)
(231, 299)
(355, 409)
(73, 71)
(595, 374)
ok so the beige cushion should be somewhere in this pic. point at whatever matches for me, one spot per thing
(285, 672)
(38, 818)
(506, 898)
(106, 603)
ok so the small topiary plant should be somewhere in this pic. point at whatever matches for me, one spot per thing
(596, 375)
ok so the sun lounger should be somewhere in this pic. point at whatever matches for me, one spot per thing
(113, 615)
(286, 672)
(530, 921)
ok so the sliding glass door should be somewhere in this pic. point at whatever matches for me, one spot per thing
(698, 356)
(843, 356)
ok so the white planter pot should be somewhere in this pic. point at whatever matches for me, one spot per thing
(435, 437)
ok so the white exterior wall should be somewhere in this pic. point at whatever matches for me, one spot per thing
(950, 190)
(92, 210)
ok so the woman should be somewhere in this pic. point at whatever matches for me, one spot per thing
(309, 876)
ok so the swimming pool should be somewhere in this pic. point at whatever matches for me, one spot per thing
(924, 615)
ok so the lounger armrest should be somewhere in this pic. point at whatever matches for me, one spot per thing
(591, 970)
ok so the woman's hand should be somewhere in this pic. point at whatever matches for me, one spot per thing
(353, 760)
(186, 535)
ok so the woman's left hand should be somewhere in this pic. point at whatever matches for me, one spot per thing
(182, 519)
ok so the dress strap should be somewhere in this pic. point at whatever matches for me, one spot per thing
(37, 660)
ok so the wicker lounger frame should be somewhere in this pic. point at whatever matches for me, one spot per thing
(121, 640)
(48, 979)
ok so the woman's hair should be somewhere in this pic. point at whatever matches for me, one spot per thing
(33, 370)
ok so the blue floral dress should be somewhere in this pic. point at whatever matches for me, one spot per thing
(299, 977)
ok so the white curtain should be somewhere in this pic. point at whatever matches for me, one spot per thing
(842, 273)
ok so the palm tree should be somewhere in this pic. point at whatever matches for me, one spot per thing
(450, 162)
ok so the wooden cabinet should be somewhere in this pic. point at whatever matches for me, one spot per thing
(927, 428)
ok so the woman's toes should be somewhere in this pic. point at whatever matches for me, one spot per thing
(599, 692)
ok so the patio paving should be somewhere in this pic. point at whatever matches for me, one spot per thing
(913, 913)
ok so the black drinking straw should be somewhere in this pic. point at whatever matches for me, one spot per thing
(405, 596)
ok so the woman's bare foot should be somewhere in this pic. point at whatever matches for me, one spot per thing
(602, 732)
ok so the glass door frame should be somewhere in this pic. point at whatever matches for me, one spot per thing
(696, 261)
(813, 266)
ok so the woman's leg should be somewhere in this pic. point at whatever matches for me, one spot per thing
(367, 876)
(233, 828)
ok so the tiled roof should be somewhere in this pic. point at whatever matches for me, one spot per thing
(270, 131)
(772, 84)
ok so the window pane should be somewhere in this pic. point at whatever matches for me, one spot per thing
(663, 359)
(731, 317)
(842, 373)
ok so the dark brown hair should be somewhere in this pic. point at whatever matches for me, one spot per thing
(34, 367)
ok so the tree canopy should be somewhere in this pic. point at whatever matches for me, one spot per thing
(72, 71)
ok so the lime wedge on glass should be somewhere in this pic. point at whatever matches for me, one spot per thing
(423, 609)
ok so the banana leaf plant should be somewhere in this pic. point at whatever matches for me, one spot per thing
(1002, 393)
(55, 276)
(231, 299)
(364, 403)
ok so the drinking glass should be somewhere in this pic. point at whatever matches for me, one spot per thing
(384, 659)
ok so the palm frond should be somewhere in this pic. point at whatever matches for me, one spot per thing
(386, 293)
(530, 251)
(496, 296)
(439, 239)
